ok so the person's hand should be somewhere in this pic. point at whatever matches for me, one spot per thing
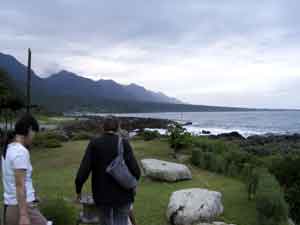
(24, 220)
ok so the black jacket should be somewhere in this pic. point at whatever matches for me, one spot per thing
(99, 153)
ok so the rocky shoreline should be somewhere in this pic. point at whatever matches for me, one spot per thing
(261, 144)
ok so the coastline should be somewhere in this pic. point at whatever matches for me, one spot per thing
(133, 123)
(245, 123)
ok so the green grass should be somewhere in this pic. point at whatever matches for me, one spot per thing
(55, 169)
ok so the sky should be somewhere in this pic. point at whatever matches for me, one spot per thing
(211, 52)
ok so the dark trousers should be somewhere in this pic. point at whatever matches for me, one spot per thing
(114, 215)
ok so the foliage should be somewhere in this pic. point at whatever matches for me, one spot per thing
(286, 169)
(82, 135)
(270, 204)
(48, 140)
(59, 211)
(178, 137)
(10, 102)
(292, 196)
(228, 159)
(251, 177)
(149, 135)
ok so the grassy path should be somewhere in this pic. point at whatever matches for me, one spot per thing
(55, 169)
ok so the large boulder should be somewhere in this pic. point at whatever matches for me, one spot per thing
(192, 206)
(165, 171)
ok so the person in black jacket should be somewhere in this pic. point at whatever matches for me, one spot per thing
(113, 200)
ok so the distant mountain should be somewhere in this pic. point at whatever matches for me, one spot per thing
(67, 91)
(65, 83)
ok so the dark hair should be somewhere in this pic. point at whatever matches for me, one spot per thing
(111, 124)
(22, 127)
(8, 138)
(26, 123)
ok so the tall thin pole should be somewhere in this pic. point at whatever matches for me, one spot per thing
(29, 81)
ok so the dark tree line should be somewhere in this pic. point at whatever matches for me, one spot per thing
(10, 103)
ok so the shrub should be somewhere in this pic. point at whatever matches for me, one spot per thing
(196, 157)
(207, 161)
(292, 195)
(286, 170)
(179, 137)
(59, 211)
(233, 170)
(246, 171)
(270, 204)
(216, 146)
(52, 143)
(46, 141)
(82, 135)
(251, 177)
(220, 166)
(150, 135)
(52, 135)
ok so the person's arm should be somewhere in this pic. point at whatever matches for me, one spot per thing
(131, 161)
(84, 170)
(21, 196)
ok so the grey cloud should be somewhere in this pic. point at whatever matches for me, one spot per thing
(165, 31)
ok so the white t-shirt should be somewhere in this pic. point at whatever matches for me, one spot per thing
(17, 157)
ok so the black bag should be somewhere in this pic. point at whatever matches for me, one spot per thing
(119, 170)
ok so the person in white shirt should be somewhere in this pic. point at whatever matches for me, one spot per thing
(19, 193)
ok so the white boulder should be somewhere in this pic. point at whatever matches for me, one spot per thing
(165, 171)
(192, 206)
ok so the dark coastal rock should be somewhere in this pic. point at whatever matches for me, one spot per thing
(273, 138)
(232, 136)
(95, 124)
(205, 132)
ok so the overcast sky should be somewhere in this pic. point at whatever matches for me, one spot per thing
(213, 52)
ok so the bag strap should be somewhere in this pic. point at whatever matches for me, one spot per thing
(120, 146)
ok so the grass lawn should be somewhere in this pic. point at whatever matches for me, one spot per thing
(55, 169)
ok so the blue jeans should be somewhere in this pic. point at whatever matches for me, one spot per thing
(114, 215)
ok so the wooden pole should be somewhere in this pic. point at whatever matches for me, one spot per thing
(28, 82)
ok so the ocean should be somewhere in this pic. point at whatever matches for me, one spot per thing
(246, 123)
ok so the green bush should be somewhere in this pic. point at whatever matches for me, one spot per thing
(46, 141)
(59, 211)
(220, 166)
(207, 162)
(196, 157)
(233, 170)
(82, 135)
(216, 146)
(292, 195)
(270, 204)
(246, 171)
(52, 135)
(251, 177)
(286, 169)
(178, 137)
(52, 143)
(150, 135)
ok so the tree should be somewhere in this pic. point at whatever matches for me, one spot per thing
(178, 137)
(10, 101)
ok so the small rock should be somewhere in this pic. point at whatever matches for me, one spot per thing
(193, 206)
(219, 223)
(165, 171)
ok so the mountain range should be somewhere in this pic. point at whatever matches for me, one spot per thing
(67, 91)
